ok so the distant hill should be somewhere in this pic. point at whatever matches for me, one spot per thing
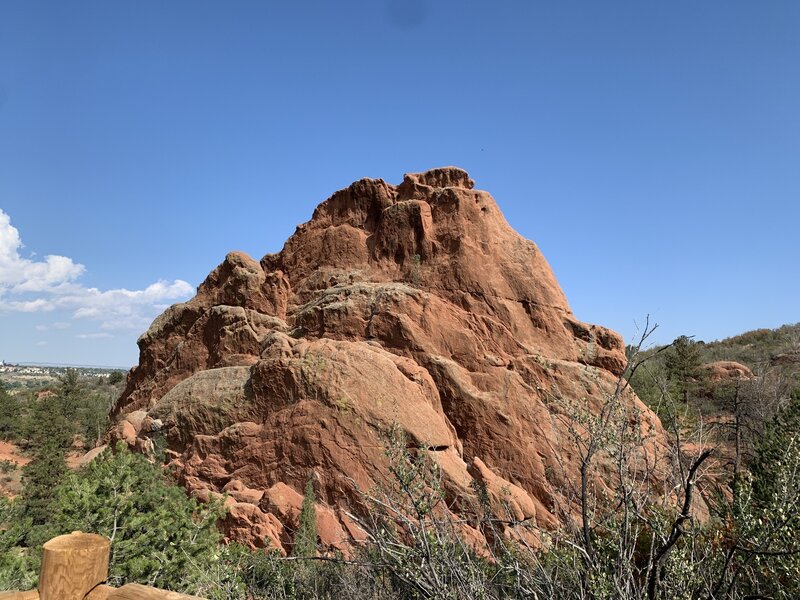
(758, 348)
(772, 355)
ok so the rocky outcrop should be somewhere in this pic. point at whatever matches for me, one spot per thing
(786, 358)
(413, 306)
(724, 371)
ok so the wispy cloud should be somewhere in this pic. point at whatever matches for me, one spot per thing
(93, 336)
(37, 286)
(52, 326)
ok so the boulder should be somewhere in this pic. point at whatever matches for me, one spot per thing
(723, 371)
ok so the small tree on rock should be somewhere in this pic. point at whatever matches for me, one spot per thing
(305, 538)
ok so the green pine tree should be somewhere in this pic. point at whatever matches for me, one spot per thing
(18, 568)
(49, 433)
(683, 366)
(70, 399)
(305, 538)
(40, 478)
(10, 414)
(159, 536)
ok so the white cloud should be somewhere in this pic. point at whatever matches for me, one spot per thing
(18, 274)
(92, 336)
(51, 326)
(32, 286)
(28, 306)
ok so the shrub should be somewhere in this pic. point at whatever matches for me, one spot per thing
(158, 534)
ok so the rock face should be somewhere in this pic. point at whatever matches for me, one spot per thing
(415, 306)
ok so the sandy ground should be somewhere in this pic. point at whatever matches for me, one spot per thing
(10, 480)
(10, 452)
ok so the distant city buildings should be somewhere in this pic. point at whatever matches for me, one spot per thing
(24, 370)
(52, 371)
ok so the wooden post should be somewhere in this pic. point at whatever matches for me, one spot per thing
(134, 591)
(72, 565)
(32, 595)
(101, 592)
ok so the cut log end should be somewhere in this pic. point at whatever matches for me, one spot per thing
(76, 542)
(73, 565)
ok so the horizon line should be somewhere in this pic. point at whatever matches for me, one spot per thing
(68, 365)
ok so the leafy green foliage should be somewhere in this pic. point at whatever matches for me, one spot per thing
(761, 533)
(158, 534)
(755, 347)
(18, 567)
(86, 409)
(50, 419)
(242, 574)
(40, 478)
(92, 416)
(76, 408)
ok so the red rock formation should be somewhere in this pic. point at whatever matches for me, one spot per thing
(414, 305)
(723, 371)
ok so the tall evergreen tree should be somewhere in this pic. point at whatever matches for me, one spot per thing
(40, 478)
(305, 538)
(49, 432)
(683, 366)
(70, 391)
(10, 414)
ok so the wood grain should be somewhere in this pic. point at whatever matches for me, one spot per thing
(101, 592)
(72, 565)
(75, 567)
(31, 595)
(134, 591)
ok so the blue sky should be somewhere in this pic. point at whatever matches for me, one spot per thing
(652, 150)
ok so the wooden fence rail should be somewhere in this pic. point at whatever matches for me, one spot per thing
(75, 567)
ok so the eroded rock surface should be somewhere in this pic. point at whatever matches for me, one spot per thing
(414, 306)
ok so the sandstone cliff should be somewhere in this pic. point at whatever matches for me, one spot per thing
(414, 305)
